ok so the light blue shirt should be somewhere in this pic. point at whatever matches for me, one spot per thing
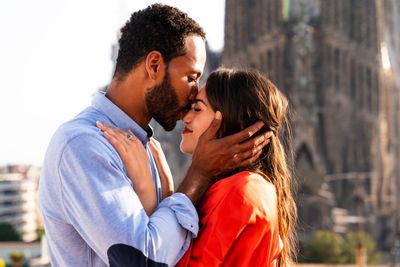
(92, 215)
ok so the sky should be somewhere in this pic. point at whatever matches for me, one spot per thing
(54, 54)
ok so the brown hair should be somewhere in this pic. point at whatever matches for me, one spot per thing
(244, 97)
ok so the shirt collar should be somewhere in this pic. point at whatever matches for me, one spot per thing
(120, 119)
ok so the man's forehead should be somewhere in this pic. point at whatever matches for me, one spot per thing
(195, 49)
(195, 42)
(196, 63)
(194, 59)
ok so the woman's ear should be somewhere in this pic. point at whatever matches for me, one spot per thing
(154, 65)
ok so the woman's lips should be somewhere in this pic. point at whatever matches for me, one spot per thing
(186, 131)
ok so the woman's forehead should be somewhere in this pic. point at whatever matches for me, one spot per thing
(202, 93)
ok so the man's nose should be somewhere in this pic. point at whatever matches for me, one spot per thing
(193, 93)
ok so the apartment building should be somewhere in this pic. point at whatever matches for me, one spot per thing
(18, 203)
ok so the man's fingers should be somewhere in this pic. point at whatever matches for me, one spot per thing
(262, 139)
(268, 134)
(250, 160)
(251, 152)
(245, 134)
(253, 149)
(267, 140)
(214, 126)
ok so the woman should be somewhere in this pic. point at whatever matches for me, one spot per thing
(246, 218)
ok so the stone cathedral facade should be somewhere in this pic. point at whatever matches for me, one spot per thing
(338, 61)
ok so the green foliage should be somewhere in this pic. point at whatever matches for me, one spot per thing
(329, 247)
(352, 241)
(8, 233)
(16, 256)
(40, 233)
(325, 247)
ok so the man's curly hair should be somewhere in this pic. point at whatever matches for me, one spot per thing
(156, 28)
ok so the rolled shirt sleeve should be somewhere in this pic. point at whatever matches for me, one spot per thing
(100, 203)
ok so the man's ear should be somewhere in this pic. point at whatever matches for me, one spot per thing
(154, 63)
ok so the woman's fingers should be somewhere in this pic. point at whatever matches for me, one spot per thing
(167, 183)
(154, 146)
(103, 126)
(117, 133)
(119, 146)
(110, 129)
(121, 140)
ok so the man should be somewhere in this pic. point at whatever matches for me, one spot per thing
(91, 213)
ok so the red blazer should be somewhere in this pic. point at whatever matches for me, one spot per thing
(238, 224)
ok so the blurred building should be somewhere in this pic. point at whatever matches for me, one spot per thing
(338, 62)
(18, 199)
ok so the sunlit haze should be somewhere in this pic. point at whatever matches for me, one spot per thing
(55, 54)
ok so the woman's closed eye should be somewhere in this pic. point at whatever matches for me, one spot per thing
(199, 105)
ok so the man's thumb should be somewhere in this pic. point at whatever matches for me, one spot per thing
(214, 126)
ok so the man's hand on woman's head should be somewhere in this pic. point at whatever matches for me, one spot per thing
(215, 157)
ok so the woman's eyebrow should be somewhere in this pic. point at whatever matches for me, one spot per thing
(200, 100)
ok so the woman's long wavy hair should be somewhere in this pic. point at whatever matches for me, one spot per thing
(244, 97)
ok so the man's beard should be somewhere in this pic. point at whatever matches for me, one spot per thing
(162, 104)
